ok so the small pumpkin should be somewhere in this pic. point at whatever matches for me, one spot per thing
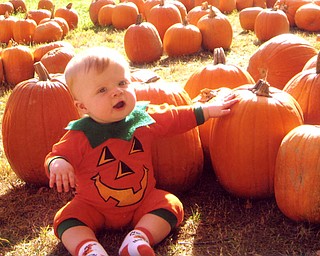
(216, 30)
(19, 5)
(182, 39)
(36, 113)
(47, 32)
(6, 7)
(197, 12)
(46, 4)
(69, 14)
(124, 14)
(142, 42)
(95, 7)
(270, 23)
(297, 174)
(244, 144)
(6, 28)
(56, 60)
(247, 17)
(105, 15)
(17, 63)
(307, 17)
(38, 15)
(23, 30)
(163, 16)
(42, 49)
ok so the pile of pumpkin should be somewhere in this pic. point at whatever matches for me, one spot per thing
(185, 27)
(44, 28)
(268, 146)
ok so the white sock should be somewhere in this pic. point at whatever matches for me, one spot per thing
(136, 243)
(92, 248)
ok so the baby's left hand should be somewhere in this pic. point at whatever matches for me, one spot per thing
(220, 107)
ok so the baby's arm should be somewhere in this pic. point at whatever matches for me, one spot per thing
(219, 108)
(61, 173)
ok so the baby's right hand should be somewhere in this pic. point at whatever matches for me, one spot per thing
(61, 174)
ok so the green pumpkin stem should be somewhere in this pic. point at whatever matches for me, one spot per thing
(41, 71)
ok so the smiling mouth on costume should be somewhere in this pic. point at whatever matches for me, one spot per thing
(119, 105)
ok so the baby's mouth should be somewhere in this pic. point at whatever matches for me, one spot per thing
(119, 105)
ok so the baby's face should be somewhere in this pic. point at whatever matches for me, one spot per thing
(106, 97)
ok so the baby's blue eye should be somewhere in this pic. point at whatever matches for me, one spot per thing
(102, 90)
(124, 82)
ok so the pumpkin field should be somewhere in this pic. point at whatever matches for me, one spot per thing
(249, 181)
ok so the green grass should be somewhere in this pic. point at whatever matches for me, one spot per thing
(216, 223)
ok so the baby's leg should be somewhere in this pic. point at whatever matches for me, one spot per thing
(160, 213)
(81, 241)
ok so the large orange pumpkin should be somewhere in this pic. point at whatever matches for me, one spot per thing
(36, 113)
(305, 88)
(177, 160)
(280, 58)
(297, 174)
(244, 144)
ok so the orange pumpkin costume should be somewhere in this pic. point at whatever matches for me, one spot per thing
(115, 185)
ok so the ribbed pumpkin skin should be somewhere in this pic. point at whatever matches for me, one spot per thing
(216, 30)
(307, 17)
(23, 30)
(297, 174)
(244, 144)
(34, 119)
(279, 59)
(182, 39)
(305, 88)
(17, 64)
(270, 23)
(142, 43)
(177, 160)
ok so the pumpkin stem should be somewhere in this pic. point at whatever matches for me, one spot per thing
(69, 6)
(204, 6)
(218, 56)
(41, 71)
(318, 64)
(261, 88)
(212, 13)
(185, 21)
(139, 19)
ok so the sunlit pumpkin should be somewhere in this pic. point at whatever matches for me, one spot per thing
(297, 174)
(36, 113)
(177, 160)
(244, 144)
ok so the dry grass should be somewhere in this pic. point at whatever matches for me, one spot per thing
(216, 223)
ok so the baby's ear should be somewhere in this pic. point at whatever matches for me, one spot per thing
(81, 107)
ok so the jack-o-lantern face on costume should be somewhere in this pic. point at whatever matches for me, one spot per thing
(123, 196)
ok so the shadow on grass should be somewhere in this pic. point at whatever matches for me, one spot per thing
(216, 223)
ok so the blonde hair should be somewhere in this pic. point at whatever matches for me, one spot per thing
(93, 59)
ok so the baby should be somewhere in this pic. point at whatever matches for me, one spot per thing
(106, 156)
